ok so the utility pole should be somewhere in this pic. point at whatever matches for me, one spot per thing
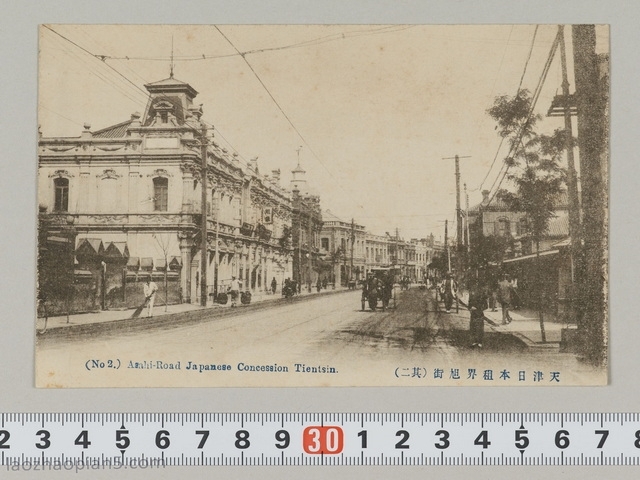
(353, 238)
(466, 218)
(398, 251)
(575, 229)
(592, 101)
(216, 262)
(311, 243)
(446, 245)
(203, 227)
(458, 215)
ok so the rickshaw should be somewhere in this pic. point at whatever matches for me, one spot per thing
(379, 286)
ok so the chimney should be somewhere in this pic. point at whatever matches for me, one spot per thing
(275, 174)
(485, 197)
(86, 133)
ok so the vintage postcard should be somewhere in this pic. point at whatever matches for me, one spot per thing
(322, 205)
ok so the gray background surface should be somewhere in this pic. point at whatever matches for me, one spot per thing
(18, 200)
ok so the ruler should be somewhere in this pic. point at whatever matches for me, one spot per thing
(158, 440)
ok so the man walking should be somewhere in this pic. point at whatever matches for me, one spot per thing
(450, 290)
(150, 289)
(477, 306)
(504, 297)
(234, 290)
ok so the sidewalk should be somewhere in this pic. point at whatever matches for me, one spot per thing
(525, 325)
(185, 312)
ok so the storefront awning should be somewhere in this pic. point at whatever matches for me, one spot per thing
(90, 246)
(117, 250)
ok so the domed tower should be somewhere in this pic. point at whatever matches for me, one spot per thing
(299, 182)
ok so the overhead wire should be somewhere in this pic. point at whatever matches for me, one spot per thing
(534, 101)
(145, 96)
(287, 117)
(312, 42)
(524, 71)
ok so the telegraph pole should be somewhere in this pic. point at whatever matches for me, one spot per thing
(203, 227)
(466, 218)
(575, 228)
(311, 243)
(216, 261)
(458, 214)
(446, 245)
(353, 238)
(592, 103)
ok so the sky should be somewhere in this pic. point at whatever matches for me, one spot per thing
(375, 111)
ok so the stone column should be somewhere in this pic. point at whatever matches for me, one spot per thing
(185, 274)
(194, 287)
(187, 192)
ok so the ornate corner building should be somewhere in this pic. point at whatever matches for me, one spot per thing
(124, 203)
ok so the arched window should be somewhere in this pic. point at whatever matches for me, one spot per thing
(61, 200)
(160, 194)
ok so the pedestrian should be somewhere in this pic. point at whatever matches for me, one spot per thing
(274, 284)
(515, 297)
(477, 305)
(504, 297)
(493, 294)
(150, 289)
(449, 291)
(234, 290)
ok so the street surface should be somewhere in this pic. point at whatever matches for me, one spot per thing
(404, 346)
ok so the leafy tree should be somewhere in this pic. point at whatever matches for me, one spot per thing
(486, 250)
(533, 169)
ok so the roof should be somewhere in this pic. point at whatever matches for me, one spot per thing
(327, 216)
(558, 226)
(114, 131)
(496, 204)
(171, 85)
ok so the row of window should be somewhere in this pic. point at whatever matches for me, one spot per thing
(160, 194)
(160, 198)
(502, 227)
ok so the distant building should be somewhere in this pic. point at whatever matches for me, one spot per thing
(338, 240)
(305, 230)
(492, 218)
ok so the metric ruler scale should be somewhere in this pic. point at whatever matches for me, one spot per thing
(158, 440)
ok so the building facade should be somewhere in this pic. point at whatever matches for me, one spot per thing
(131, 196)
(305, 231)
(343, 245)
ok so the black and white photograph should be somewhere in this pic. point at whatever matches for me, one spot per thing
(322, 205)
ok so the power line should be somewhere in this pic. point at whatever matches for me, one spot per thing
(534, 100)
(526, 64)
(307, 43)
(524, 71)
(286, 116)
(138, 90)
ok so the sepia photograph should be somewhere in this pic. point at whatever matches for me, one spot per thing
(322, 205)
